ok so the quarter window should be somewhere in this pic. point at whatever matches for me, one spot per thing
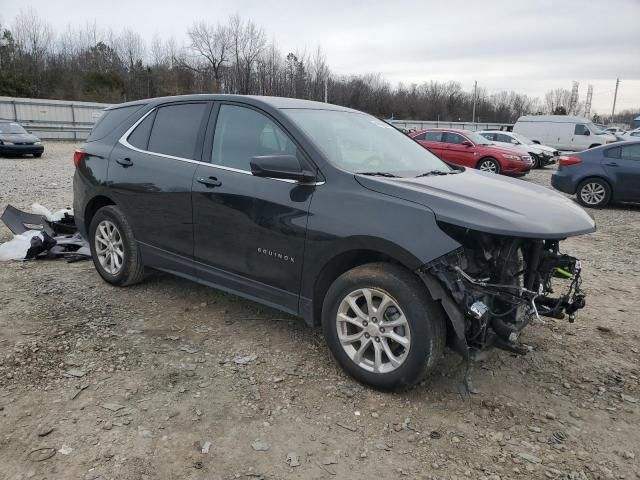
(242, 133)
(612, 152)
(176, 128)
(139, 138)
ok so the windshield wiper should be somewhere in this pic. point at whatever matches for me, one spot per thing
(436, 172)
(379, 174)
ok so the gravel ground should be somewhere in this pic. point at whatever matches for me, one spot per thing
(169, 379)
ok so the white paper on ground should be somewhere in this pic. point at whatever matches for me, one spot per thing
(16, 248)
(51, 216)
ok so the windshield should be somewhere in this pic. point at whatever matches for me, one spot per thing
(522, 139)
(593, 129)
(359, 143)
(477, 138)
(11, 128)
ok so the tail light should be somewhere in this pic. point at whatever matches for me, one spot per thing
(78, 156)
(566, 161)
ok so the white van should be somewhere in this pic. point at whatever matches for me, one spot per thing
(563, 132)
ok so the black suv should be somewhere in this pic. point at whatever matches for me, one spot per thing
(331, 215)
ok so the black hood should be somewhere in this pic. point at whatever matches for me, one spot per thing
(18, 138)
(490, 203)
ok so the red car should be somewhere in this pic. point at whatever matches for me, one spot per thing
(469, 149)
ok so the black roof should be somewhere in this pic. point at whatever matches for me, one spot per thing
(256, 100)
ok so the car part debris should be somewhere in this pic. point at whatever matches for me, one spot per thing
(42, 235)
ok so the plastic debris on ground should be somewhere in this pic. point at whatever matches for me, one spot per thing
(42, 235)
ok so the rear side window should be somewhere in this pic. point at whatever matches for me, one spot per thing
(242, 133)
(612, 152)
(420, 136)
(433, 136)
(489, 136)
(630, 152)
(110, 119)
(176, 128)
(139, 138)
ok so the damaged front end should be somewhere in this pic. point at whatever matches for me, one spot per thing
(493, 286)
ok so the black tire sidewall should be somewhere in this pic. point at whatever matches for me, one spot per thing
(426, 322)
(605, 185)
(130, 247)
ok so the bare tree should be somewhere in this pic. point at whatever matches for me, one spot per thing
(248, 42)
(212, 42)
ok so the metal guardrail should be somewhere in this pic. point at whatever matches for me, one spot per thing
(52, 119)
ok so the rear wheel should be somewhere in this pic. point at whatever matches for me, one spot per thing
(489, 165)
(594, 193)
(114, 249)
(382, 326)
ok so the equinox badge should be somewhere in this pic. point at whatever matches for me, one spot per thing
(279, 256)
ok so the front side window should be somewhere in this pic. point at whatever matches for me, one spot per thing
(176, 128)
(433, 136)
(489, 136)
(630, 152)
(581, 130)
(357, 142)
(501, 137)
(243, 133)
(454, 138)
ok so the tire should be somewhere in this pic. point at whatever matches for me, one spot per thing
(536, 162)
(115, 234)
(423, 328)
(593, 193)
(37, 155)
(489, 164)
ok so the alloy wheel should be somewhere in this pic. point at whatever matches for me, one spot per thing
(109, 247)
(373, 330)
(593, 193)
(489, 166)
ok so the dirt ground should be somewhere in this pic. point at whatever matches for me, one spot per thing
(159, 380)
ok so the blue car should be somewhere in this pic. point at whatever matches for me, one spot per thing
(610, 173)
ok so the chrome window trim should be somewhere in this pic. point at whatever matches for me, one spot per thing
(124, 141)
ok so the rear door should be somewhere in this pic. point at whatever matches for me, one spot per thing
(249, 231)
(622, 164)
(432, 140)
(457, 152)
(150, 176)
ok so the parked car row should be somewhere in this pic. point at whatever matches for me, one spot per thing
(16, 141)
(470, 149)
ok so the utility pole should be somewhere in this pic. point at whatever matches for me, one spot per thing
(615, 97)
(326, 90)
(475, 96)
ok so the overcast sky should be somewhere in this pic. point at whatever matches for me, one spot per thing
(526, 46)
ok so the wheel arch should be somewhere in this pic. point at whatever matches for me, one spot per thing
(95, 204)
(341, 263)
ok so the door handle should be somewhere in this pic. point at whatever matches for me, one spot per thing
(209, 181)
(611, 164)
(125, 162)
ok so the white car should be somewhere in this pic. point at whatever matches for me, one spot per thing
(615, 131)
(564, 132)
(541, 154)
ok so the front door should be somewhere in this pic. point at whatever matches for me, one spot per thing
(150, 177)
(249, 231)
(457, 152)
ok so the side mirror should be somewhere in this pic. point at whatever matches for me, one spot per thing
(467, 143)
(587, 133)
(515, 142)
(282, 166)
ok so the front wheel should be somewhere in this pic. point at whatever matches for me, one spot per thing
(489, 165)
(382, 326)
